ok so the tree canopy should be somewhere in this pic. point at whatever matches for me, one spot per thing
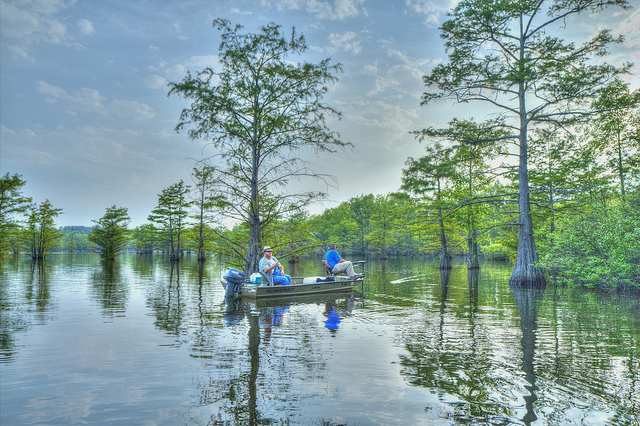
(260, 110)
(110, 232)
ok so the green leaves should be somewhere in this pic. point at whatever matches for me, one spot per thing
(110, 232)
(170, 214)
(598, 248)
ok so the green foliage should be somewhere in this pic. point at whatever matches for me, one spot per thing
(385, 224)
(362, 208)
(337, 226)
(497, 251)
(599, 247)
(169, 215)
(204, 202)
(617, 131)
(143, 237)
(40, 234)
(12, 205)
(111, 232)
(291, 237)
(76, 238)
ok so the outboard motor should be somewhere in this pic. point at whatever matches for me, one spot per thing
(234, 278)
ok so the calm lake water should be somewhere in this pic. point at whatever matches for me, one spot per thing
(142, 344)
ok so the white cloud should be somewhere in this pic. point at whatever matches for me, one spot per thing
(156, 82)
(131, 109)
(86, 100)
(86, 27)
(630, 28)
(434, 9)
(52, 92)
(198, 63)
(178, 30)
(416, 63)
(237, 11)
(338, 10)
(347, 41)
(28, 133)
(7, 132)
(24, 25)
(83, 99)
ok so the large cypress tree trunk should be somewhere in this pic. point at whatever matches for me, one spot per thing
(253, 249)
(525, 273)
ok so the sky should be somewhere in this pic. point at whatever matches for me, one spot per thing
(87, 123)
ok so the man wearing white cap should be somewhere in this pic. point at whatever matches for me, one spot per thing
(272, 269)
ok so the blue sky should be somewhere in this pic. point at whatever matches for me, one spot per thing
(86, 120)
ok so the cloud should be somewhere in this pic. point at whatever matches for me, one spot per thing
(347, 41)
(434, 9)
(86, 100)
(178, 30)
(338, 10)
(237, 11)
(156, 82)
(83, 99)
(24, 25)
(166, 71)
(198, 63)
(7, 132)
(630, 27)
(131, 109)
(86, 27)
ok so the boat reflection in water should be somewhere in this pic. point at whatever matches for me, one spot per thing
(264, 315)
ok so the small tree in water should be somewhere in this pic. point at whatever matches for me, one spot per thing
(111, 233)
(259, 111)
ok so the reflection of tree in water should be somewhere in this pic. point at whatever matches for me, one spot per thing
(527, 300)
(451, 360)
(166, 303)
(243, 381)
(142, 264)
(40, 291)
(22, 302)
(108, 288)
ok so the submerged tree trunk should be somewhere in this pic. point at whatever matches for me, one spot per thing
(473, 262)
(525, 272)
(201, 254)
(445, 256)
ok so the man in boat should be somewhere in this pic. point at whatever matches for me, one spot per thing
(338, 265)
(272, 269)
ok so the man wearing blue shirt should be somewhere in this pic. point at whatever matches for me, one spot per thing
(338, 264)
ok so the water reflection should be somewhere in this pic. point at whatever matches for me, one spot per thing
(424, 346)
(527, 300)
(110, 289)
(25, 299)
(165, 300)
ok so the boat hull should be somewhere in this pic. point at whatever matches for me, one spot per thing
(296, 288)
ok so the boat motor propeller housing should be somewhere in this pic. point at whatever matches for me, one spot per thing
(234, 278)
